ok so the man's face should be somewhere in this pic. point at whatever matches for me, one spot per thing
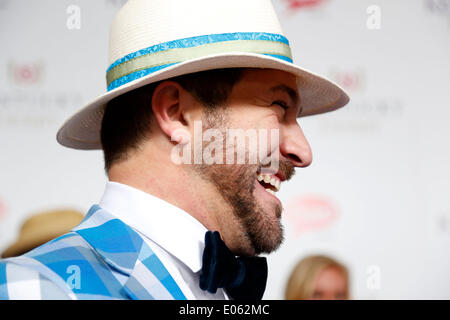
(264, 103)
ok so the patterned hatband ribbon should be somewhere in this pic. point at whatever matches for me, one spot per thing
(146, 61)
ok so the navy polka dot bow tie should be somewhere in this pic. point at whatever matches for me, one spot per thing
(243, 278)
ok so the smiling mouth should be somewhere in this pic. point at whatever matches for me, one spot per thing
(270, 182)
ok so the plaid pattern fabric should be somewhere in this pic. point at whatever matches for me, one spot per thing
(102, 258)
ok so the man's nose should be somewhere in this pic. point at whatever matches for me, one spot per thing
(294, 146)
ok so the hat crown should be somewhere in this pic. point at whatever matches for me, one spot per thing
(143, 23)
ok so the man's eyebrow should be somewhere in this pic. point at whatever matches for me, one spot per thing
(291, 92)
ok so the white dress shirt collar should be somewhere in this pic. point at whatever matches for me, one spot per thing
(167, 225)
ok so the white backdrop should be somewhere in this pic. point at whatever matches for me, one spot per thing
(377, 194)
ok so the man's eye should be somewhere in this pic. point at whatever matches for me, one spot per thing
(281, 104)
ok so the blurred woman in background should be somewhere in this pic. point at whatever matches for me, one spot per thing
(318, 278)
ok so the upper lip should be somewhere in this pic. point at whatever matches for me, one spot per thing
(280, 175)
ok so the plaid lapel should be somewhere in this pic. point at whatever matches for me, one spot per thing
(125, 250)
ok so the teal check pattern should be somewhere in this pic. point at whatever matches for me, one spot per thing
(102, 258)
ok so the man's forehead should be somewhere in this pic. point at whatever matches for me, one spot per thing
(270, 80)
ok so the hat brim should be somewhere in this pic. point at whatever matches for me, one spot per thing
(317, 95)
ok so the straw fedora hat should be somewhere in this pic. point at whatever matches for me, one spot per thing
(41, 228)
(154, 40)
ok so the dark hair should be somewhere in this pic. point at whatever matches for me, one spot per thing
(127, 118)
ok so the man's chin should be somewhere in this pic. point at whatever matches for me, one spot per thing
(267, 200)
(267, 236)
(269, 247)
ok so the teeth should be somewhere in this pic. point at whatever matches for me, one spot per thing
(272, 181)
(270, 191)
(277, 185)
(267, 178)
(275, 182)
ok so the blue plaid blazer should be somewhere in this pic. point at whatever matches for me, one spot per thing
(102, 258)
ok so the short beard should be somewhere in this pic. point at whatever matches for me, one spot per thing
(263, 228)
(236, 184)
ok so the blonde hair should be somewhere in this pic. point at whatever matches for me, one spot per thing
(302, 280)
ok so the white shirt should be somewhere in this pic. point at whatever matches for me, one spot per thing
(177, 238)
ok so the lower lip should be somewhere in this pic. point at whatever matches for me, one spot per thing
(264, 190)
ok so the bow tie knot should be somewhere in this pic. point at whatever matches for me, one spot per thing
(242, 277)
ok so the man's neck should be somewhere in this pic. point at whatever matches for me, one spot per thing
(171, 183)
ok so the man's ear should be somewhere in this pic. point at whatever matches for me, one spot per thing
(168, 109)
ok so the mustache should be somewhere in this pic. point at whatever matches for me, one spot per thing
(287, 169)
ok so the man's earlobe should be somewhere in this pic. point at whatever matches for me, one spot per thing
(181, 136)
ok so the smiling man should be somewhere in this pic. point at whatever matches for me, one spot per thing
(167, 229)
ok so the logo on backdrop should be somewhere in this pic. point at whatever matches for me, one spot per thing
(311, 213)
(364, 114)
(25, 103)
(350, 80)
(25, 74)
(296, 5)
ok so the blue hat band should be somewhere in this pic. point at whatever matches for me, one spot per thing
(147, 61)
